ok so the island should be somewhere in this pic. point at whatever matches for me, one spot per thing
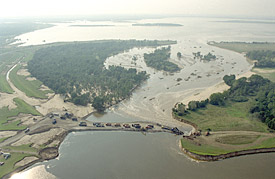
(159, 60)
(158, 25)
(92, 25)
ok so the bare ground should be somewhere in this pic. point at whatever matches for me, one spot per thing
(25, 161)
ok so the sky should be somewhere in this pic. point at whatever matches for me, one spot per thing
(20, 8)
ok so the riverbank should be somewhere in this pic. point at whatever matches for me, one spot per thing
(210, 158)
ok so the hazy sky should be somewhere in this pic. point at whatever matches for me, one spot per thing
(86, 7)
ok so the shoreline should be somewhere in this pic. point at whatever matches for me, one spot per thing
(50, 153)
(212, 158)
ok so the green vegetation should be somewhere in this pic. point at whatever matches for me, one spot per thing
(268, 73)
(159, 60)
(249, 105)
(4, 85)
(30, 87)
(207, 57)
(265, 59)
(76, 70)
(203, 149)
(22, 148)
(158, 24)
(3, 139)
(233, 117)
(5, 114)
(244, 46)
(235, 108)
(237, 139)
(9, 165)
(268, 143)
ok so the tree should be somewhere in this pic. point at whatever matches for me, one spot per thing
(229, 80)
(217, 99)
(193, 105)
(98, 103)
(179, 55)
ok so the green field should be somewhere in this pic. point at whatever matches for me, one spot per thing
(2, 139)
(9, 165)
(21, 148)
(243, 46)
(237, 139)
(210, 148)
(203, 149)
(6, 114)
(4, 85)
(30, 88)
(268, 73)
(233, 117)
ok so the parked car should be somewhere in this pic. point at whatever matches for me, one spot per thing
(82, 124)
(27, 130)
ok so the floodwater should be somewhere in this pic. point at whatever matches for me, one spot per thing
(135, 155)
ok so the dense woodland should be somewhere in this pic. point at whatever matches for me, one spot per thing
(77, 71)
(260, 93)
(265, 58)
(159, 60)
(207, 57)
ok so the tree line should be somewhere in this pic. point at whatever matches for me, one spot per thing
(265, 58)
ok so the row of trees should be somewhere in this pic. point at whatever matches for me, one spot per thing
(77, 71)
(181, 109)
(265, 58)
(159, 60)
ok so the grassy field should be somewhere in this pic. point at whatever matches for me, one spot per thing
(6, 114)
(30, 88)
(237, 139)
(203, 149)
(233, 117)
(2, 139)
(243, 46)
(232, 129)
(234, 143)
(268, 73)
(4, 85)
(21, 148)
(9, 165)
